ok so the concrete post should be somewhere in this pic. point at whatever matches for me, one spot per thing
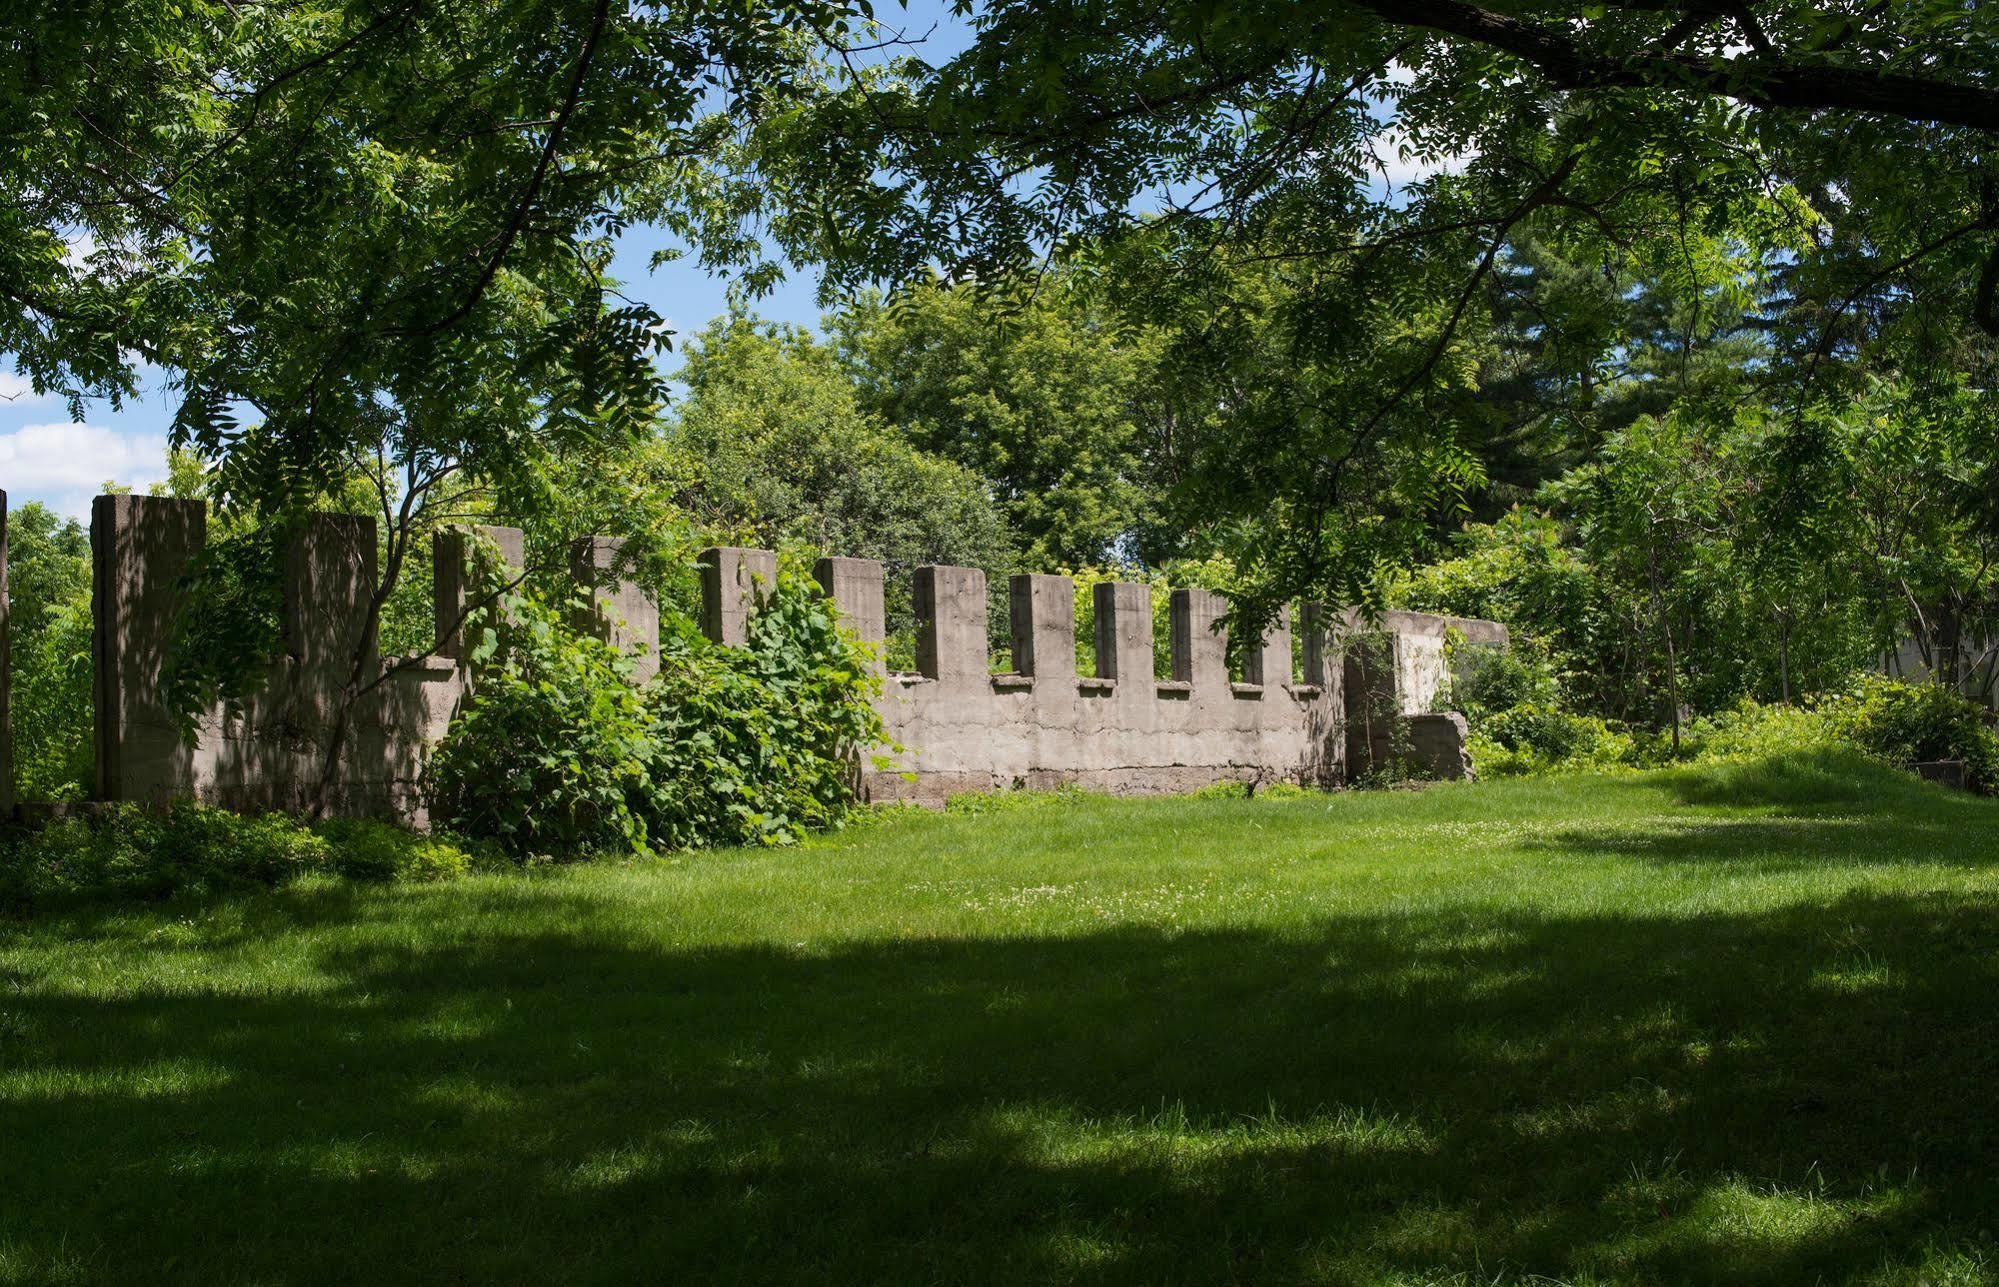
(1124, 631)
(1044, 625)
(452, 582)
(329, 576)
(1269, 660)
(139, 547)
(732, 579)
(950, 622)
(1200, 649)
(623, 615)
(855, 587)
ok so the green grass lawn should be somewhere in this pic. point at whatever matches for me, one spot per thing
(1658, 1028)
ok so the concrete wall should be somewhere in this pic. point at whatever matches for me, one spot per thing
(962, 728)
(956, 726)
(1397, 671)
(267, 751)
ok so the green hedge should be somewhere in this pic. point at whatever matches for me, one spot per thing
(1886, 720)
(124, 852)
(559, 754)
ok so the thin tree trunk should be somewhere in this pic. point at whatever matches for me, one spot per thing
(1666, 634)
(1784, 655)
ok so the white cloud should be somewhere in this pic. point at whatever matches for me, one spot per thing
(77, 249)
(16, 392)
(1398, 166)
(64, 465)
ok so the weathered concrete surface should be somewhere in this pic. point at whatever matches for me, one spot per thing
(731, 581)
(1122, 730)
(139, 545)
(959, 727)
(1397, 667)
(623, 614)
(269, 750)
(455, 596)
(1438, 746)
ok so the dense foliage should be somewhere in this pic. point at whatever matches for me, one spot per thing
(1882, 720)
(48, 630)
(126, 852)
(1662, 332)
(559, 753)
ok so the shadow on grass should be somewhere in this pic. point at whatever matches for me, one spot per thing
(1746, 1098)
(1798, 810)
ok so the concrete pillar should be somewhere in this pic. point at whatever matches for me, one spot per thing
(950, 622)
(454, 584)
(1043, 610)
(139, 547)
(1124, 631)
(329, 576)
(623, 615)
(732, 579)
(1200, 648)
(1269, 660)
(855, 587)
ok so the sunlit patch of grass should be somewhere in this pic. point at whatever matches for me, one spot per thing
(1646, 1029)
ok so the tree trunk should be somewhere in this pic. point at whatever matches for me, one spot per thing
(1784, 655)
(1666, 635)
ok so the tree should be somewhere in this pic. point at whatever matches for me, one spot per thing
(781, 451)
(49, 627)
(369, 238)
(1038, 389)
(1715, 142)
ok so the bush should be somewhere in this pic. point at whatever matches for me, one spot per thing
(1753, 731)
(1482, 681)
(1533, 738)
(550, 755)
(365, 849)
(1885, 720)
(1905, 723)
(760, 744)
(124, 852)
(558, 754)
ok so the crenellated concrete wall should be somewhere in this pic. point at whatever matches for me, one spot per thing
(963, 728)
(269, 750)
(957, 726)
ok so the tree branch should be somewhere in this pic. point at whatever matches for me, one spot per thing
(598, 20)
(1768, 81)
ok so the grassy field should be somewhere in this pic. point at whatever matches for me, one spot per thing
(1662, 1028)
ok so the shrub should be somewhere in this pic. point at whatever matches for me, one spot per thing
(1905, 723)
(1884, 720)
(1481, 681)
(1752, 730)
(125, 852)
(759, 744)
(550, 755)
(557, 753)
(366, 849)
(1536, 739)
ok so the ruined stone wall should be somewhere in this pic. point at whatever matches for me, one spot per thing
(956, 726)
(269, 750)
(1124, 729)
